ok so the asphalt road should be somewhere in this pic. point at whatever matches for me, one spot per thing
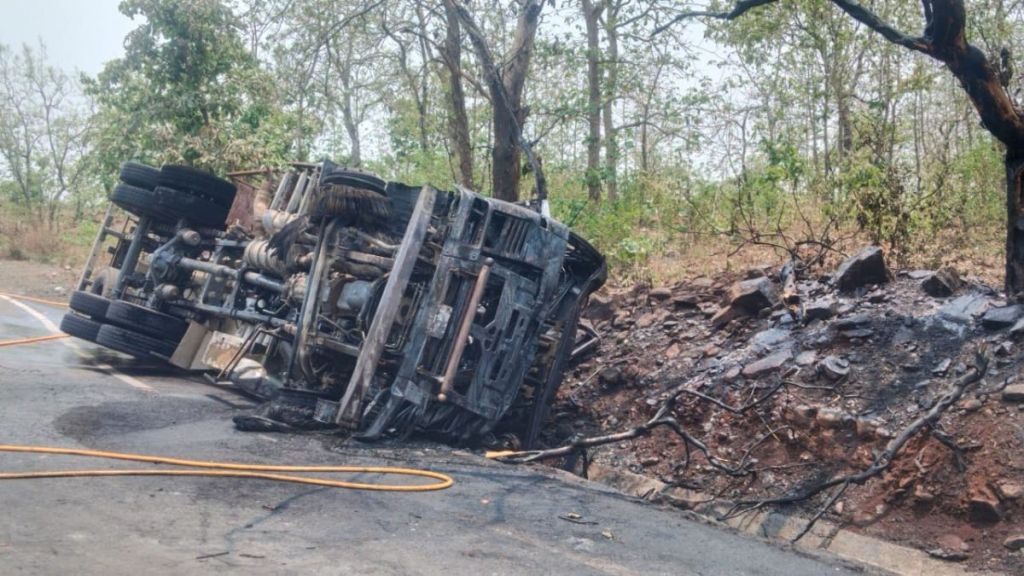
(497, 519)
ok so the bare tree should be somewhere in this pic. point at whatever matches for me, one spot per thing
(44, 132)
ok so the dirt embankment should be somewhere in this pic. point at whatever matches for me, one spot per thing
(37, 279)
(846, 361)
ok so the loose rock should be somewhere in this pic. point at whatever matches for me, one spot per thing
(1018, 328)
(724, 316)
(767, 364)
(944, 282)
(600, 307)
(647, 320)
(1014, 542)
(1002, 317)
(950, 547)
(951, 555)
(753, 295)
(1009, 490)
(685, 301)
(659, 294)
(806, 358)
(865, 267)
(867, 427)
(834, 368)
(922, 494)
(1014, 393)
(852, 322)
(963, 308)
(820, 310)
(982, 503)
(611, 376)
(833, 418)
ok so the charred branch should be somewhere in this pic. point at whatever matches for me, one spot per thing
(661, 419)
(884, 459)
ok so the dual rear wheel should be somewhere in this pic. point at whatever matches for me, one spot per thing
(123, 326)
(166, 195)
(174, 192)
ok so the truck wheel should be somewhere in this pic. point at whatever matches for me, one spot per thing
(138, 201)
(169, 205)
(133, 343)
(89, 304)
(196, 209)
(138, 174)
(147, 321)
(220, 191)
(80, 327)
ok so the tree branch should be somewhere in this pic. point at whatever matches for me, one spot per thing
(886, 30)
(741, 8)
(886, 456)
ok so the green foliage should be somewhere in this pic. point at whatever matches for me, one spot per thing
(777, 126)
(640, 224)
(188, 91)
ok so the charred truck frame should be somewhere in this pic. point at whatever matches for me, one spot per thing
(341, 299)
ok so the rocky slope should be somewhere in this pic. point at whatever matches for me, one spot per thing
(845, 361)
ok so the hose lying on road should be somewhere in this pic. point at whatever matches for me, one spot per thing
(34, 299)
(227, 469)
(33, 340)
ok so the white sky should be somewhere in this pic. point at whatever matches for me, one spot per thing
(79, 34)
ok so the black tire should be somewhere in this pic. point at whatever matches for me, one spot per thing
(138, 174)
(133, 343)
(89, 304)
(168, 205)
(361, 180)
(197, 210)
(220, 191)
(147, 321)
(138, 201)
(80, 327)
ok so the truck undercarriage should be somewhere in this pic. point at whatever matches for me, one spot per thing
(342, 300)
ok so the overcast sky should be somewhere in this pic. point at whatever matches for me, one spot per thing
(79, 34)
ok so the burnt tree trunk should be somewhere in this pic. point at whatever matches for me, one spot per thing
(1014, 223)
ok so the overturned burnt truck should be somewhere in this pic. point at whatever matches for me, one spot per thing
(341, 299)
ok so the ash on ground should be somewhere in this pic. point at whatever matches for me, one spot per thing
(865, 352)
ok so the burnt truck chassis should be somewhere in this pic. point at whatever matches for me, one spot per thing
(343, 300)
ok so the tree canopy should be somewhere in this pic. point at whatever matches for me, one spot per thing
(659, 125)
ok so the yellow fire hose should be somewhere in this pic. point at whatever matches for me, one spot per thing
(208, 468)
(34, 299)
(32, 340)
(227, 469)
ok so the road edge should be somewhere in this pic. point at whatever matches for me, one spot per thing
(825, 536)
